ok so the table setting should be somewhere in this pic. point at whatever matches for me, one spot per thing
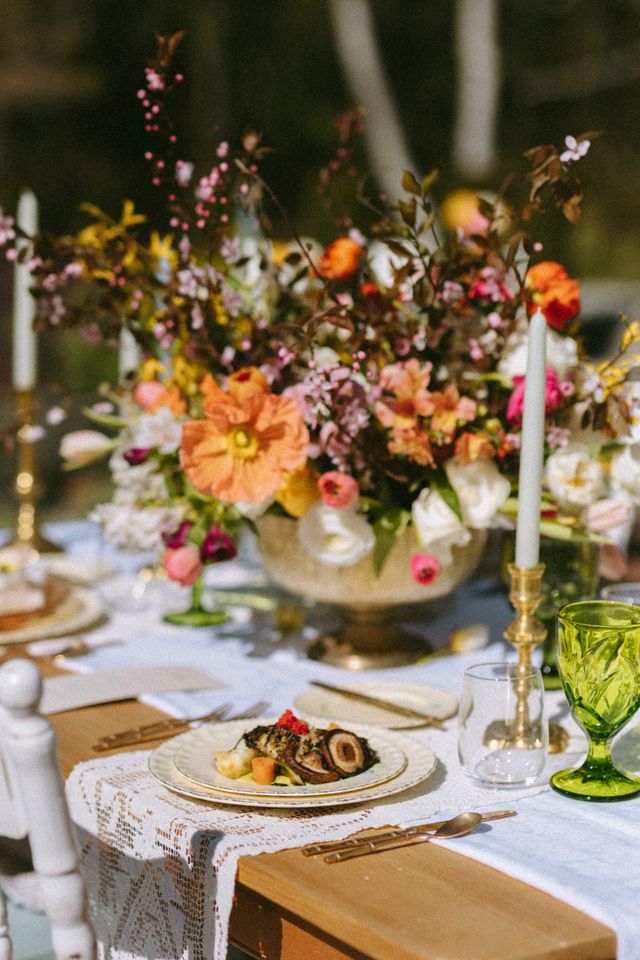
(310, 446)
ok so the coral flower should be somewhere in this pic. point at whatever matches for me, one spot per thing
(552, 290)
(242, 453)
(448, 408)
(183, 565)
(473, 446)
(242, 383)
(152, 395)
(337, 489)
(425, 568)
(340, 259)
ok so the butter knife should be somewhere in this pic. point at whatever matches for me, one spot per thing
(396, 833)
(378, 702)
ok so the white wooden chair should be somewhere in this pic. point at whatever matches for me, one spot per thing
(33, 806)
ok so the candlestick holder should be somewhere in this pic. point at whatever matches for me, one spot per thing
(27, 487)
(525, 633)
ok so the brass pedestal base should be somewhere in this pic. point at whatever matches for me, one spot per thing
(501, 735)
(369, 639)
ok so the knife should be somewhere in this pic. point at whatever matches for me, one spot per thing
(397, 833)
(378, 702)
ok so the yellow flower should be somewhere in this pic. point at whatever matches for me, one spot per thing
(299, 491)
(151, 369)
(161, 248)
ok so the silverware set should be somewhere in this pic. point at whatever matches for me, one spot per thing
(338, 850)
(165, 728)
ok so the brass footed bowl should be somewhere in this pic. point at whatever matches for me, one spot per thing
(369, 637)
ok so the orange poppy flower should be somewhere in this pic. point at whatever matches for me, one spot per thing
(551, 289)
(340, 259)
(241, 453)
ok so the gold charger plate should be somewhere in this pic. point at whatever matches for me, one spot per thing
(320, 703)
(421, 763)
(79, 609)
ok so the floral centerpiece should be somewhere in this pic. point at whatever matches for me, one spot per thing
(366, 388)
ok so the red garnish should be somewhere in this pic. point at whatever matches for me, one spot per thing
(291, 722)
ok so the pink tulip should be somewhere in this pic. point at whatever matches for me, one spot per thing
(183, 565)
(337, 489)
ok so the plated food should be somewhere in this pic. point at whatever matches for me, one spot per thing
(27, 590)
(292, 752)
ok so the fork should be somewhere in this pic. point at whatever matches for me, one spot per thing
(162, 728)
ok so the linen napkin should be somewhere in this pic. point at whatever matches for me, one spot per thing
(107, 686)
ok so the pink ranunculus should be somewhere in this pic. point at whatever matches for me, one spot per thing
(553, 396)
(148, 392)
(183, 565)
(425, 568)
(338, 489)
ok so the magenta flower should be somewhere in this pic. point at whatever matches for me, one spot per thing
(425, 568)
(217, 546)
(553, 396)
(136, 455)
(177, 538)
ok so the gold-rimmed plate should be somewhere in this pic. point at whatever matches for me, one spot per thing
(421, 763)
(195, 759)
(78, 610)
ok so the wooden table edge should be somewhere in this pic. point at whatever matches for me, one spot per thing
(275, 878)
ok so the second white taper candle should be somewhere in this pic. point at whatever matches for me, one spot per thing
(532, 446)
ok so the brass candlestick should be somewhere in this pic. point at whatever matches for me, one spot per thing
(27, 488)
(525, 633)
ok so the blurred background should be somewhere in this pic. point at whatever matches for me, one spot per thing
(462, 85)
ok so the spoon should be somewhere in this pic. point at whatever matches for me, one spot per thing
(458, 826)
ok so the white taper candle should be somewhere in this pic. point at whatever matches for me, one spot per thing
(532, 446)
(24, 352)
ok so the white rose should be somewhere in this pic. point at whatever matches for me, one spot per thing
(437, 526)
(481, 490)
(84, 446)
(335, 538)
(253, 511)
(156, 431)
(625, 470)
(562, 354)
(574, 478)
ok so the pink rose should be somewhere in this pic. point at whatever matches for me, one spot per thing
(148, 393)
(183, 565)
(553, 396)
(425, 568)
(337, 489)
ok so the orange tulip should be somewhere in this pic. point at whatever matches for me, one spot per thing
(552, 290)
(340, 259)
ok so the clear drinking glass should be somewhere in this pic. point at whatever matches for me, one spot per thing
(628, 592)
(502, 732)
(599, 662)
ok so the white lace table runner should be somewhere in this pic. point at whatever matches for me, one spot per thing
(161, 868)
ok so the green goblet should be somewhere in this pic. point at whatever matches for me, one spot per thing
(599, 663)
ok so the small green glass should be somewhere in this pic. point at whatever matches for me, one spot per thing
(599, 663)
(197, 615)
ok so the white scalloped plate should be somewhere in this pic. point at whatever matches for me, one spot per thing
(324, 704)
(421, 763)
(195, 759)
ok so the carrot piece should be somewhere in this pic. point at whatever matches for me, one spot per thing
(263, 770)
(334, 726)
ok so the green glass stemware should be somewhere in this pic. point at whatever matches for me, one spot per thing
(197, 615)
(599, 663)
